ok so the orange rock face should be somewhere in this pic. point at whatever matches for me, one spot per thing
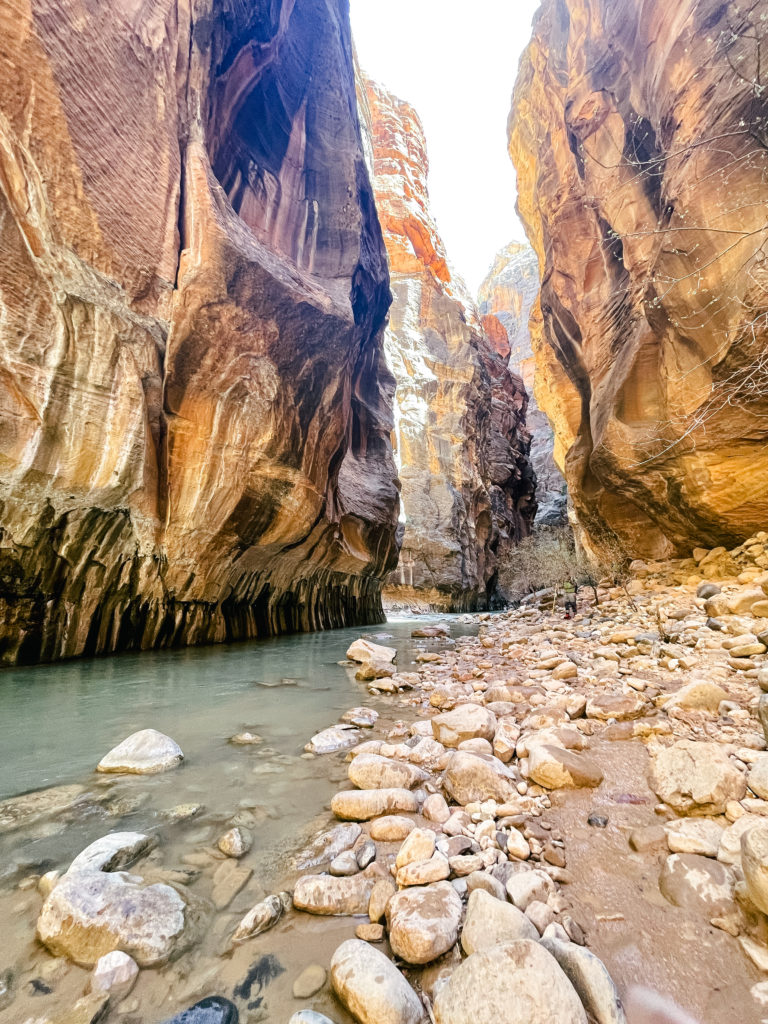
(460, 437)
(194, 406)
(638, 132)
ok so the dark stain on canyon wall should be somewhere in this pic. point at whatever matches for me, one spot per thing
(640, 131)
(194, 405)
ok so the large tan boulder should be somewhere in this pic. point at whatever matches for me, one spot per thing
(371, 771)
(590, 978)
(96, 908)
(515, 982)
(364, 804)
(695, 778)
(470, 777)
(490, 921)
(699, 695)
(423, 922)
(328, 895)
(557, 768)
(465, 722)
(371, 988)
(754, 864)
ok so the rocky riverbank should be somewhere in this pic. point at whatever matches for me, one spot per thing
(553, 814)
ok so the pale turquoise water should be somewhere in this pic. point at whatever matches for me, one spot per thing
(57, 721)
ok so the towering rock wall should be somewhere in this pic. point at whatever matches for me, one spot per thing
(639, 133)
(194, 404)
(505, 301)
(461, 443)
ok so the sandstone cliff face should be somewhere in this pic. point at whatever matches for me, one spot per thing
(194, 405)
(461, 443)
(639, 135)
(505, 300)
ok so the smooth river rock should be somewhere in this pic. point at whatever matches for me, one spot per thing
(96, 908)
(115, 973)
(754, 864)
(371, 987)
(371, 771)
(477, 777)
(695, 778)
(391, 828)
(557, 768)
(364, 651)
(516, 982)
(694, 835)
(589, 976)
(328, 845)
(364, 804)
(262, 917)
(490, 921)
(336, 737)
(329, 895)
(466, 722)
(423, 922)
(143, 753)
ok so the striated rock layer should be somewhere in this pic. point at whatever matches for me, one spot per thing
(460, 438)
(639, 133)
(194, 405)
(505, 300)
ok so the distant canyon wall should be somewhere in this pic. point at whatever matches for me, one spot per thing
(460, 438)
(194, 404)
(639, 133)
(505, 301)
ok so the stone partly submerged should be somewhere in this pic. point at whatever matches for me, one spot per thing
(505, 301)
(460, 436)
(637, 131)
(143, 753)
(194, 407)
(97, 908)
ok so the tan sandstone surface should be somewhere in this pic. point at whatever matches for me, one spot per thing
(460, 438)
(638, 133)
(194, 405)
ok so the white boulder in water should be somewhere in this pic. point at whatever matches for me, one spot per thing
(97, 908)
(363, 651)
(143, 753)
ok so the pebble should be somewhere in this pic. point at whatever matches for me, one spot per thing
(235, 843)
(309, 982)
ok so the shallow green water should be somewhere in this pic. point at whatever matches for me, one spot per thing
(57, 721)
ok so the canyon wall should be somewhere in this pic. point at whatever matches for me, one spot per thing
(505, 301)
(639, 134)
(460, 438)
(194, 404)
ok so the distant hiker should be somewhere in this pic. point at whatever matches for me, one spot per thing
(570, 598)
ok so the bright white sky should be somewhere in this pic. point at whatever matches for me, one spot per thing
(455, 62)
